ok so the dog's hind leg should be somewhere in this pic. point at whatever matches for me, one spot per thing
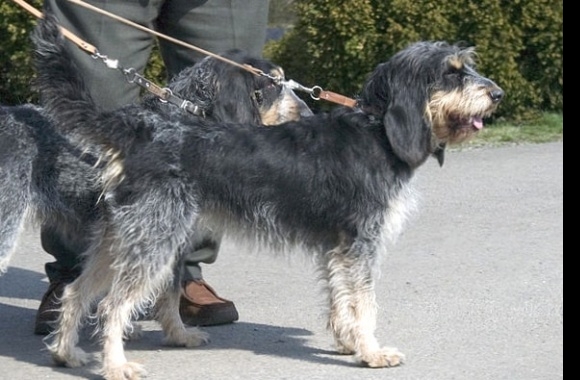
(12, 217)
(14, 200)
(353, 308)
(141, 274)
(129, 290)
(167, 314)
(76, 303)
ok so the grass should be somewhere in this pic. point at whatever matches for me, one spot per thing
(549, 129)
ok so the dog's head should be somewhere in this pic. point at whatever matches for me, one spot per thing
(229, 93)
(430, 95)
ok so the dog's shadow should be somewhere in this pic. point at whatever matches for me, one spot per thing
(20, 294)
(20, 286)
(261, 339)
(22, 283)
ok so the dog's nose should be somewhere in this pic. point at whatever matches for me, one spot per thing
(496, 95)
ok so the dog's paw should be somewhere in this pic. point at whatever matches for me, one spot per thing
(4, 265)
(73, 359)
(384, 357)
(343, 349)
(193, 337)
(135, 332)
(126, 371)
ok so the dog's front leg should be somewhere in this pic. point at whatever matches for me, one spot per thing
(367, 347)
(353, 308)
(116, 311)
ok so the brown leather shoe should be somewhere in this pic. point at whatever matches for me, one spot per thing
(201, 306)
(48, 310)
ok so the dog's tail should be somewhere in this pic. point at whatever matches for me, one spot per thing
(66, 99)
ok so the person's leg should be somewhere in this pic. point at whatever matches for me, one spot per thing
(66, 250)
(130, 46)
(215, 26)
(200, 305)
(110, 90)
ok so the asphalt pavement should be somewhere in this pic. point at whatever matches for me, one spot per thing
(472, 290)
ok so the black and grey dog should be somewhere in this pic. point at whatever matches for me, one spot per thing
(44, 176)
(334, 185)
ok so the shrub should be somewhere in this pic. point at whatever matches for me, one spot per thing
(15, 48)
(335, 43)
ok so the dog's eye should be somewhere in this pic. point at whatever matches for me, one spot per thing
(454, 75)
(259, 97)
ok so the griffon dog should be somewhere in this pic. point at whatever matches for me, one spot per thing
(335, 185)
(44, 175)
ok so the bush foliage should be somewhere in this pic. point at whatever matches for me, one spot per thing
(15, 47)
(336, 43)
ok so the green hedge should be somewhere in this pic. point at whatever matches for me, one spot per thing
(15, 47)
(335, 43)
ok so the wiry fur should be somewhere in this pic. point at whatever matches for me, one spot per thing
(45, 176)
(336, 185)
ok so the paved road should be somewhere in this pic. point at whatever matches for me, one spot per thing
(473, 290)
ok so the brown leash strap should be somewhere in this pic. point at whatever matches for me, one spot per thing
(67, 33)
(318, 93)
(337, 98)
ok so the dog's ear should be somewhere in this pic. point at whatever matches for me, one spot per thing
(408, 131)
(233, 100)
(388, 94)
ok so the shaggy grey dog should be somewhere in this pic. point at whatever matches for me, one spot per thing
(335, 185)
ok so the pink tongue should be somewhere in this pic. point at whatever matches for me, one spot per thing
(477, 122)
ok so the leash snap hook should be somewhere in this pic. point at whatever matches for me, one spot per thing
(314, 91)
(293, 85)
(130, 75)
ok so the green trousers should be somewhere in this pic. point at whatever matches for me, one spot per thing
(212, 25)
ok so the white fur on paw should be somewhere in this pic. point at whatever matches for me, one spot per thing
(135, 332)
(4, 265)
(384, 357)
(193, 337)
(196, 338)
(75, 358)
(127, 371)
(343, 350)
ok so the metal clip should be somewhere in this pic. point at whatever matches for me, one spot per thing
(167, 94)
(111, 63)
(130, 74)
(313, 91)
